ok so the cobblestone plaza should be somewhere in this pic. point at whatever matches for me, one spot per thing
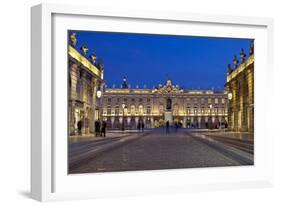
(164, 126)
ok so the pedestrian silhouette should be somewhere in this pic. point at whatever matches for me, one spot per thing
(139, 126)
(103, 128)
(97, 128)
(176, 127)
(79, 126)
(142, 126)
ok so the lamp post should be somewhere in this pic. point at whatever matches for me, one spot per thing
(99, 94)
(229, 95)
(230, 115)
(123, 123)
(210, 106)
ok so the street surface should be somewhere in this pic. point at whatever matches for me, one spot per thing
(155, 150)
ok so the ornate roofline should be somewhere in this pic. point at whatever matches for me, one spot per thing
(84, 61)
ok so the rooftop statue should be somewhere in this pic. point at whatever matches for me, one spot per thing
(73, 39)
(235, 62)
(93, 57)
(229, 68)
(242, 56)
(251, 48)
(84, 50)
(124, 84)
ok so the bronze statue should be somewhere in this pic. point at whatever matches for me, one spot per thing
(229, 68)
(242, 56)
(73, 39)
(251, 48)
(93, 57)
(84, 50)
(235, 62)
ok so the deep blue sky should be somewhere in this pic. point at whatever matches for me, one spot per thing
(191, 62)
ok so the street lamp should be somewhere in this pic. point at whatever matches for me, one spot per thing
(210, 106)
(123, 124)
(99, 93)
(229, 96)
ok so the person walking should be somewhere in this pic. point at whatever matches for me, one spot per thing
(103, 128)
(176, 127)
(79, 127)
(167, 127)
(139, 126)
(142, 126)
(97, 128)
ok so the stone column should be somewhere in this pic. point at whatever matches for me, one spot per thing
(152, 122)
(129, 120)
(206, 121)
(137, 121)
(71, 121)
(94, 103)
(184, 122)
(112, 122)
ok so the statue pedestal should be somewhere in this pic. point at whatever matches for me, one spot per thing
(168, 117)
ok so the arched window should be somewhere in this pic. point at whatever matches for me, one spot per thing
(140, 110)
(117, 110)
(176, 109)
(108, 110)
(133, 110)
(148, 110)
(161, 109)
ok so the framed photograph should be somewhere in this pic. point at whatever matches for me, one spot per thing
(137, 102)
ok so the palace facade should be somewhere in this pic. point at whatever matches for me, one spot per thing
(240, 88)
(85, 78)
(190, 108)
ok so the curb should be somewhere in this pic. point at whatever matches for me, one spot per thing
(242, 157)
(98, 151)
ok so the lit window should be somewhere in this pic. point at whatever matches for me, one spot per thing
(216, 101)
(148, 110)
(108, 110)
(202, 101)
(140, 109)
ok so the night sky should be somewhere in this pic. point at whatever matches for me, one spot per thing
(191, 62)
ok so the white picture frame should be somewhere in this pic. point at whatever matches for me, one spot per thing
(48, 178)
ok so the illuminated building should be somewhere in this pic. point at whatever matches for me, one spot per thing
(240, 88)
(168, 102)
(85, 78)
